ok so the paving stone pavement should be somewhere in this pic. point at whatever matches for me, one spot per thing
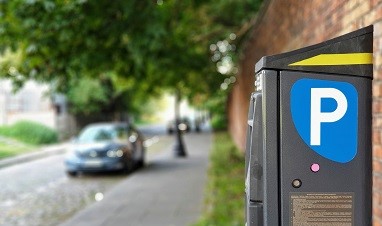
(167, 192)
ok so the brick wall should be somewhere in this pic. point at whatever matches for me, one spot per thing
(284, 25)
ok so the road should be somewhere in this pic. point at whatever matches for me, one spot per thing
(40, 193)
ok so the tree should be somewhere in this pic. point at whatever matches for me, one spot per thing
(129, 49)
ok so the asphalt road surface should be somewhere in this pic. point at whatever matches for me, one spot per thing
(40, 192)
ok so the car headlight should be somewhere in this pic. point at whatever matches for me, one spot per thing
(114, 153)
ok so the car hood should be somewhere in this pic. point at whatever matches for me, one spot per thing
(99, 146)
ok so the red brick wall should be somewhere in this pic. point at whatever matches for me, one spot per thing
(284, 25)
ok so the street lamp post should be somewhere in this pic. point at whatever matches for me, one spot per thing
(179, 147)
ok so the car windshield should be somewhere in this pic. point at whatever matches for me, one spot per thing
(101, 133)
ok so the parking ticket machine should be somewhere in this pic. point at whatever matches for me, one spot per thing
(308, 152)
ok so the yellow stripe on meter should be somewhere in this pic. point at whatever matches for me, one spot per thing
(336, 59)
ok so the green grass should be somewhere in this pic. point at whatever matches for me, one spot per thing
(9, 148)
(30, 132)
(24, 137)
(224, 198)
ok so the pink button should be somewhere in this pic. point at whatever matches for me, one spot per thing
(315, 167)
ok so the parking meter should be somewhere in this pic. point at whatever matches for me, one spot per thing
(308, 151)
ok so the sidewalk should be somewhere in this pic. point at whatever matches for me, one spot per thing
(167, 192)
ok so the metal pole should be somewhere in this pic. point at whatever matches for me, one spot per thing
(179, 147)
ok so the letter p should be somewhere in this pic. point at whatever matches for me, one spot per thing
(317, 116)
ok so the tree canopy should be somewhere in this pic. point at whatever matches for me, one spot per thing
(120, 50)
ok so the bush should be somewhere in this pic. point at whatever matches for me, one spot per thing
(217, 107)
(219, 122)
(30, 132)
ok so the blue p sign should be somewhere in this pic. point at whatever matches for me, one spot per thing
(325, 114)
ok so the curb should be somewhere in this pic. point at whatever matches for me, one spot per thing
(41, 153)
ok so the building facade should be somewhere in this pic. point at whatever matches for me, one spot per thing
(30, 103)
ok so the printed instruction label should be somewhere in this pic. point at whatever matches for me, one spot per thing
(321, 209)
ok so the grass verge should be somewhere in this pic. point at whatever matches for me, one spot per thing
(30, 132)
(224, 197)
(9, 148)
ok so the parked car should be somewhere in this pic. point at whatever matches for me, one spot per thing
(106, 147)
(184, 125)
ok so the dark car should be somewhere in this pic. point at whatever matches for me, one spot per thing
(106, 147)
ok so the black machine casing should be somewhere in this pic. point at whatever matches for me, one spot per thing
(288, 182)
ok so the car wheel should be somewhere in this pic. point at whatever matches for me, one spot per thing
(72, 173)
